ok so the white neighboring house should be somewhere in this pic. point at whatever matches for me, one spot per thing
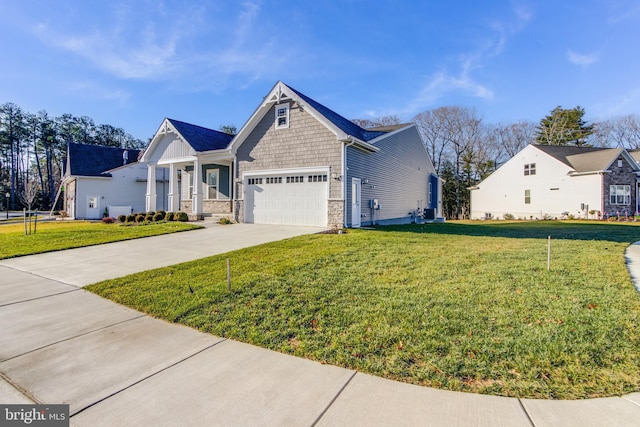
(101, 180)
(543, 181)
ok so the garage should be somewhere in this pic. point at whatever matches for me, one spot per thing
(298, 198)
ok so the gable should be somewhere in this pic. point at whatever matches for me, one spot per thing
(281, 94)
(168, 147)
(180, 140)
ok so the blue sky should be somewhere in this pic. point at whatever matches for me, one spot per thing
(132, 63)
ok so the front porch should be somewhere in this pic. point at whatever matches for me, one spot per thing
(200, 170)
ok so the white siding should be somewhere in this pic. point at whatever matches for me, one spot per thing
(553, 191)
(170, 147)
(126, 187)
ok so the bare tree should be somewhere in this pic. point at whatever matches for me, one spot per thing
(432, 126)
(377, 121)
(617, 132)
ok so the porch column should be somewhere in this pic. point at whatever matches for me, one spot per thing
(196, 201)
(174, 195)
(151, 188)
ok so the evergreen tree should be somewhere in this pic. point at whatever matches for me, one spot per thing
(564, 127)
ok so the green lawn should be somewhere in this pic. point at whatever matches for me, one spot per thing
(53, 236)
(458, 306)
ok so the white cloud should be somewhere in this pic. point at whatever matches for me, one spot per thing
(197, 48)
(581, 59)
(443, 82)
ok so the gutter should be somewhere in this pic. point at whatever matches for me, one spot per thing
(588, 173)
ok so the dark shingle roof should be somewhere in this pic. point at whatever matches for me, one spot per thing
(202, 139)
(582, 159)
(96, 160)
(347, 126)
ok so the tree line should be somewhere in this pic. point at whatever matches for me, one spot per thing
(465, 150)
(33, 148)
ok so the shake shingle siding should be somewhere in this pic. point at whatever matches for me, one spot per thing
(397, 175)
(306, 143)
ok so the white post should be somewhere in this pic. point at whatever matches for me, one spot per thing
(549, 253)
(174, 194)
(150, 204)
(196, 201)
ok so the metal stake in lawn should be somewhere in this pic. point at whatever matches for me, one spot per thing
(228, 275)
(549, 253)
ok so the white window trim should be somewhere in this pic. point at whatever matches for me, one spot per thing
(285, 125)
(217, 171)
(625, 194)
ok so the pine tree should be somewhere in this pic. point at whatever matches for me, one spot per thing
(564, 127)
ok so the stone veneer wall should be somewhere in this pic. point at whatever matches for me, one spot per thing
(619, 176)
(208, 206)
(336, 214)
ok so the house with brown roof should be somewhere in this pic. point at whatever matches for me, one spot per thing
(294, 162)
(546, 181)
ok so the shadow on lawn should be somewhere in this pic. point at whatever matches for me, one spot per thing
(605, 231)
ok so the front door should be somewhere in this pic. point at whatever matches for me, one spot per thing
(356, 208)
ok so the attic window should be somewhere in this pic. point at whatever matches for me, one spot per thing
(282, 116)
(530, 169)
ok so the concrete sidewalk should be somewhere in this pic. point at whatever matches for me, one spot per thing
(116, 366)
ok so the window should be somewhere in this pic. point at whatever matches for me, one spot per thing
(93, 202)
(273, 180)
(530, 169)
(295, 179)
(212, 184)
(620, 194)
(190, 180)
(527, 197)
(317, 178)
(282, 116)
(254, 181)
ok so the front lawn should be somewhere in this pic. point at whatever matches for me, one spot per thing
(53, 236)
(458, 306)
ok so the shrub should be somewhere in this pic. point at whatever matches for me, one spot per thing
(108, 220)
(163, 213)
(140, 217)
(122, 218)
(508, 216)
(149, 217)
(159, 216)
(224, 220)
(181, 216)
(169, 216)
(131, 218)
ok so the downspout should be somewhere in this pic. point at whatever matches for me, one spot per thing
(236, 189)
(344, 176)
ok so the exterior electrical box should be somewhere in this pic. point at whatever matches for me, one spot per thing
(374, 204)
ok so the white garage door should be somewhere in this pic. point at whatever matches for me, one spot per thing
(292, 199)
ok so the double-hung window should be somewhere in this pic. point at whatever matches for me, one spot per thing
(527, 197)
(620, 194)
(282, 116)
(212, 184)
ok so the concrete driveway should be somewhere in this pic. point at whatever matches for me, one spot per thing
(84, 266)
